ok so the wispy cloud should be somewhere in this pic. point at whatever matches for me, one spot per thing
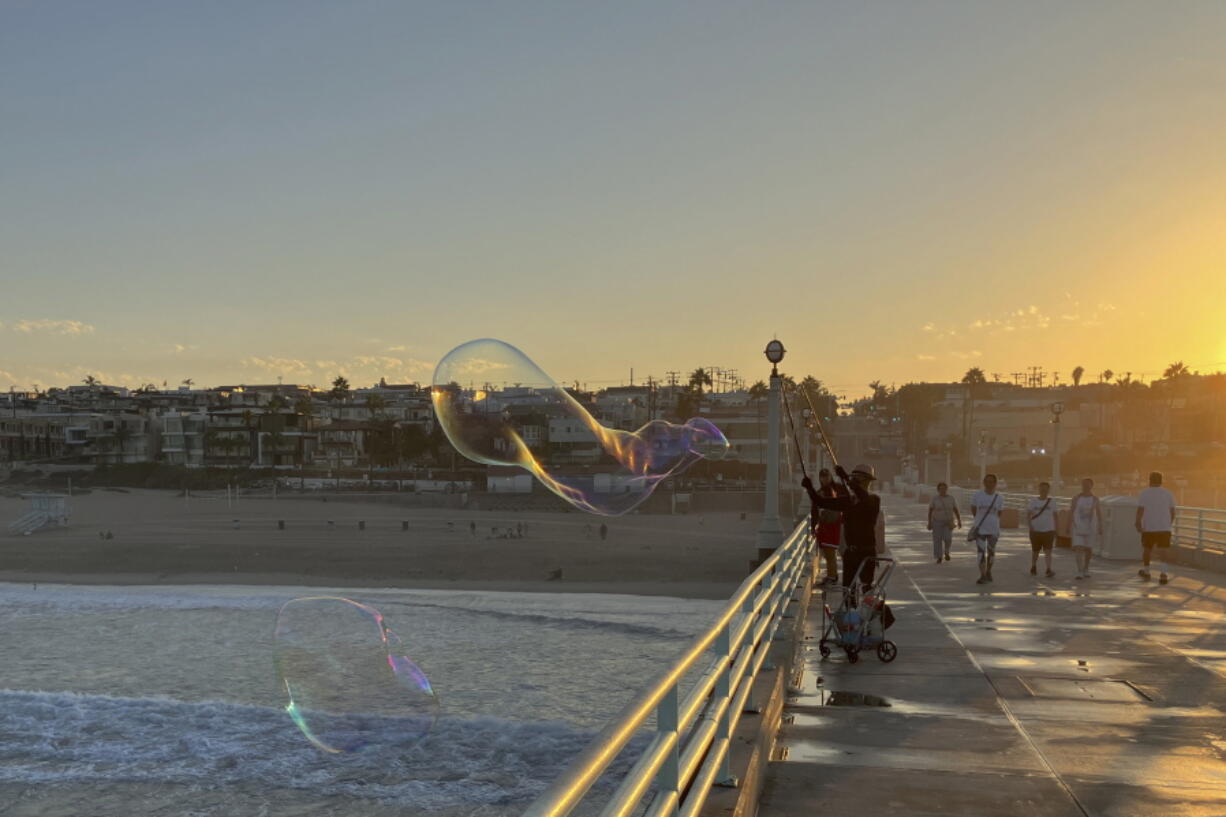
(397, 348)
(180, 348)
(925, 357)
(53, 327)
(283, 366)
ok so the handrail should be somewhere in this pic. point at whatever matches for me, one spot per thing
(687, 754)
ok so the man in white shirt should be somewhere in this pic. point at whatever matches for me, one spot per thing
(986, 506)
(1155, 518)
(1041, 519)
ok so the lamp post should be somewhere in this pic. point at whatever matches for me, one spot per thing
(1056, 410)
(770, 532)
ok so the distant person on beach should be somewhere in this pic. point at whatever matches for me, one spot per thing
(1155, 520)
(1041, 521)
(860, 510)
(828, 525)
(942, 514)
(1087, 524)
(986, 506)
(604, 531)
(472, 529)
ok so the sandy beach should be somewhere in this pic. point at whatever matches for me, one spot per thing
(159, 538)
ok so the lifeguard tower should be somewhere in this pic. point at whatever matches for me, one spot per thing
(46, 510)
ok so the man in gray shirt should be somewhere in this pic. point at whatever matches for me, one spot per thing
(942, 514)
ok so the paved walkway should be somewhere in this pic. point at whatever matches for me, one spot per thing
(1037, 697)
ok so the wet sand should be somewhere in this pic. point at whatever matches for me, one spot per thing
(158, 538)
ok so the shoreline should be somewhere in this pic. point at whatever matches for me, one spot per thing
(714, 591)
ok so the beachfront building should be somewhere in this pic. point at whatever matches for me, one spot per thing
(183, 436)
(85, 438)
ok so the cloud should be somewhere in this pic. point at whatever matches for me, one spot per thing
(397, 349)
(928, 327)
(53, 327)
(8, 376)
(925, 357)
(400, 368)
(180, 348)
(278, 366)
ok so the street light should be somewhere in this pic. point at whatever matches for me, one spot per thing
(770, 532)
(1056, 410)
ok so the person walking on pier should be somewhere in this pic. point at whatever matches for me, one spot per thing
(828, 525)
(1087, 523)
(860, 510)
(986, 506)
(942, 512)
(1155, 519)
(1041, 519)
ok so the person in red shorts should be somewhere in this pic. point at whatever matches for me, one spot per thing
(828, 525)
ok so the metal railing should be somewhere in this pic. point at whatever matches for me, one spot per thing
(688, 754)
(1202, 528)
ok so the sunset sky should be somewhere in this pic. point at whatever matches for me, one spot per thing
(236, 191)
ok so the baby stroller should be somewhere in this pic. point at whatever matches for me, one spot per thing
(859, 621)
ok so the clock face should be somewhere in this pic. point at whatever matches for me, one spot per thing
(774, 351)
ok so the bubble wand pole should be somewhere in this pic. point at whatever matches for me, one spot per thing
(783, 389)
(821, 432)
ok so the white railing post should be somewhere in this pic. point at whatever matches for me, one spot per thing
(1200, 528)
(723, 690)
(667, 718)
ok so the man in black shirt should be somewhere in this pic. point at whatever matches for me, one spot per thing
(860, 511)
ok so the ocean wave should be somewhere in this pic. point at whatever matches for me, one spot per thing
(48, 738)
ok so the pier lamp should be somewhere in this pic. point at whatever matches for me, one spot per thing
(1056, 410)
(774, 353)
(770, 531)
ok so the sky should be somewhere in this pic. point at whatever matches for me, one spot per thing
(234, 192)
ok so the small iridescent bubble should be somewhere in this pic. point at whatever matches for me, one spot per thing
(349, 685)
(529, 421)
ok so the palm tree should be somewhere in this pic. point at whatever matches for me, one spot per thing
(1106, 376)
(698, 379)
(1176, 369)
(974, 377)
(375, 404)
(187, 381)
(122, 435)
(339, 390)
(90, 380)
(1078, 373)
(757, 393)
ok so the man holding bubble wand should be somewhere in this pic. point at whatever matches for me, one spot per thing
(860, 509)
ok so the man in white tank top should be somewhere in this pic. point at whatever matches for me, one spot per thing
(1087, 526)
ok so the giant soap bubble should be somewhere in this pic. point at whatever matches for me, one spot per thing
(349, 683)
(510, 428)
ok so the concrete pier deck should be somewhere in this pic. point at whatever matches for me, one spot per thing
(1028, 696)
